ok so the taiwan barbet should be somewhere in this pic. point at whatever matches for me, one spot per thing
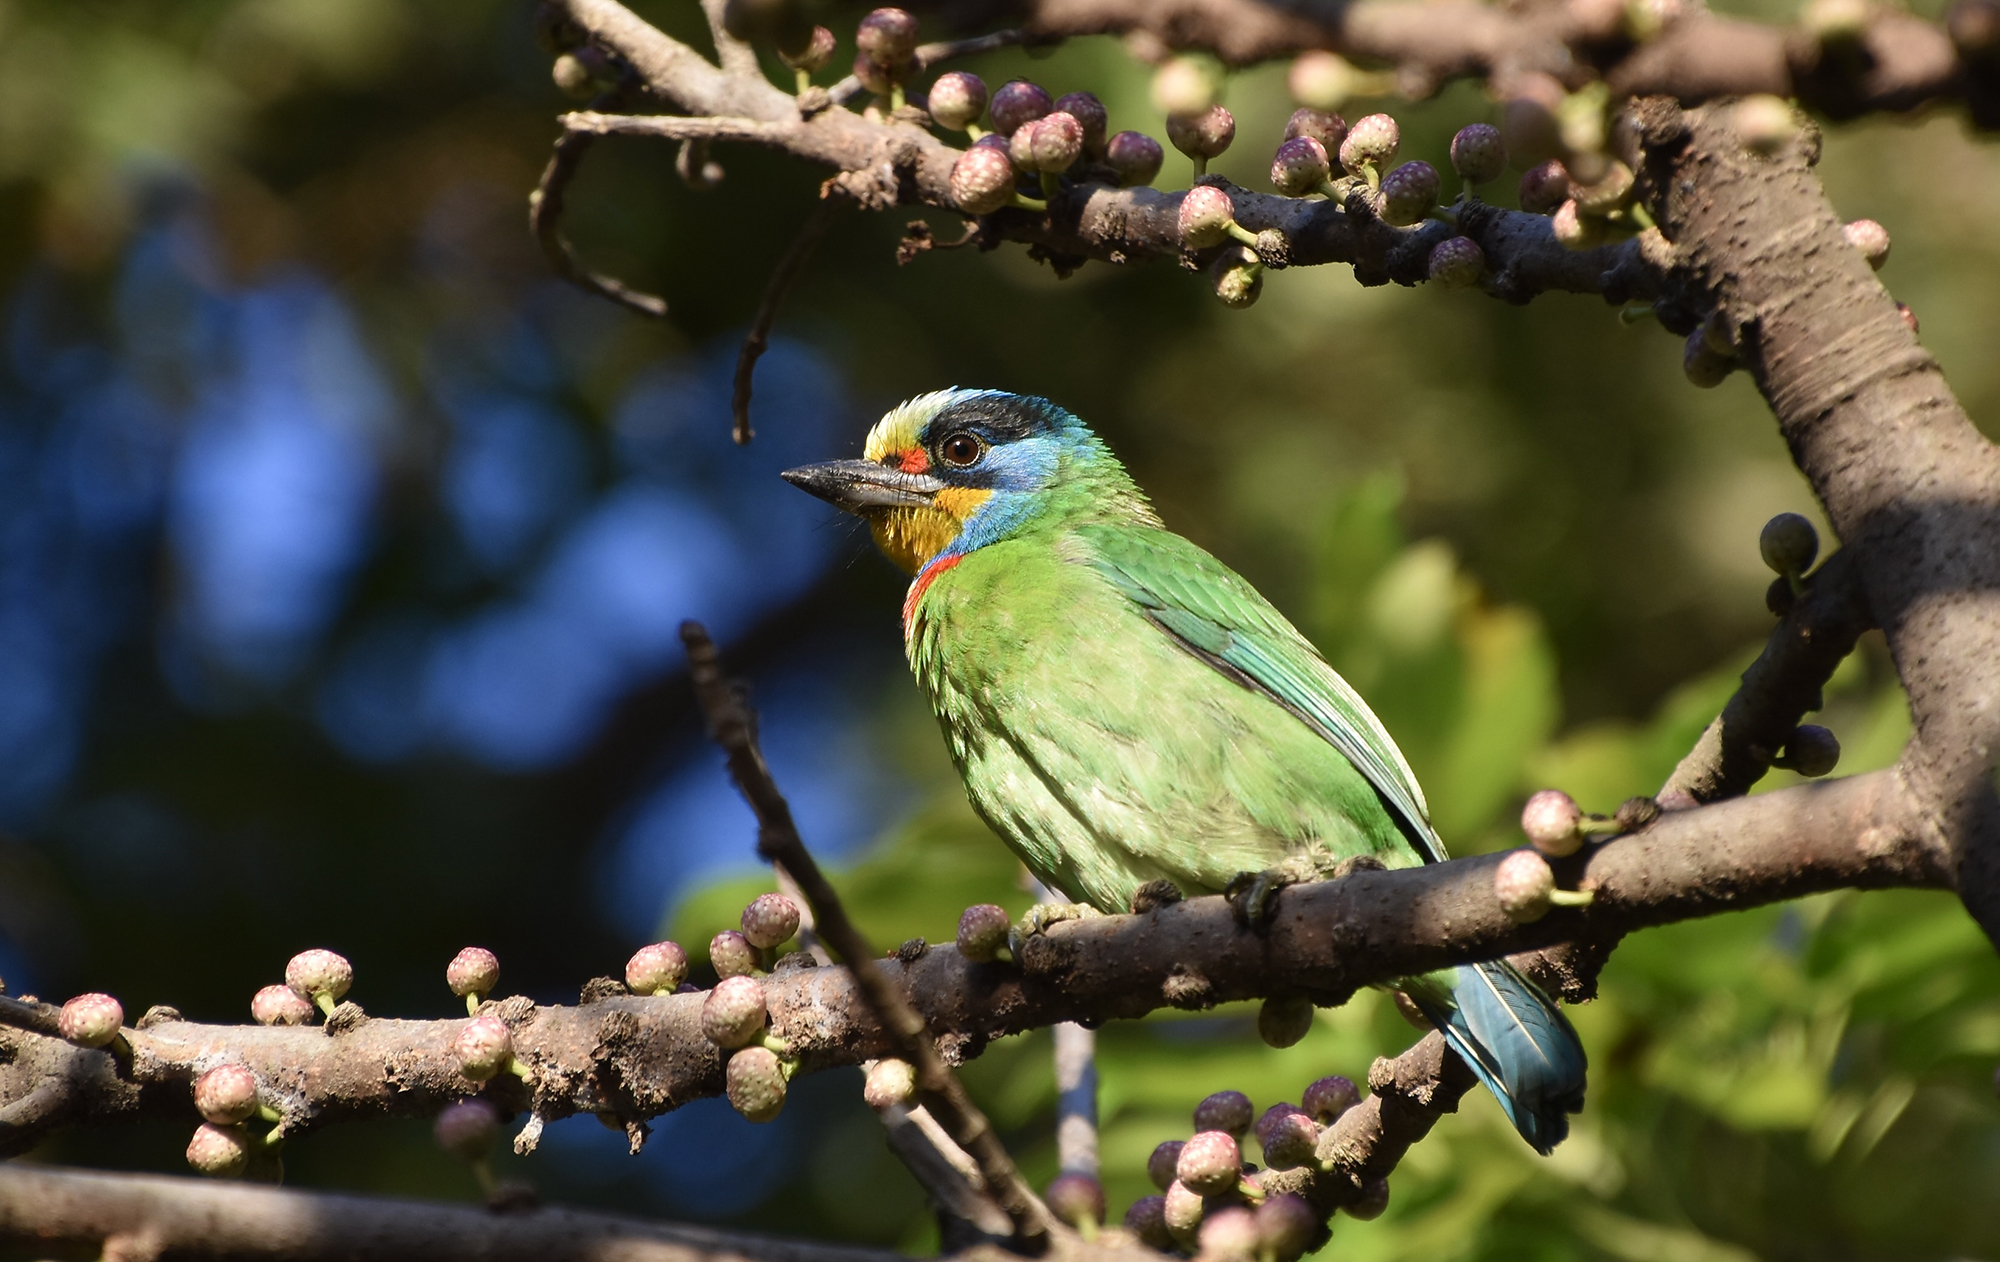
(1123, 707)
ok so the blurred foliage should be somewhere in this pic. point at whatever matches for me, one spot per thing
(340, 551)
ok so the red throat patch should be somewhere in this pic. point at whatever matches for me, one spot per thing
(921, 584)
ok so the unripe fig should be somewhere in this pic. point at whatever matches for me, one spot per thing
(1205, 216)
(1789, 544)
(467, 1128)
(889, 36)
(982, 181)
(473, 971)
(1238, 277)
(320, 976)
(1765, 123)
(1135, 156)
(1374, 1199)
(1322, 80)
(1017, 102)
(1300, 167)
(815, 55)
(1329, 1097)
(656, 969)
(755, 1083)
(1283, 1021)
(280, 1005)
(1229, 1233)
(1286, 1226)
(1370, 142)
(221, 1151)
(1524, 885)
(1055, 142)
(1457, 262)
(957, 100)
(1576, 230)
(1869, 237)
(890, 1081)
(1077, 1199)
(982, 931)
(1812, 750)
(1478, 153)
(1161, 1165)
(226, 1094)
(1182, 1211)
(1974, 26)
(1090, 114)
(1210, 1163)
(734, 1012)
(1227, 1111)
(1183, 86)
(1701, 362)
(1322, 125)
(1204, 135)
(484, 1047)
(1288, 1139)
(770, 921)
(1147, 1220)
(1609, 192)
(1553, 823)
(91, 1020)
(876, 77)
(1545, 188)
(581, 71)
(731, 953)
(1530, 117)
(1408, 194)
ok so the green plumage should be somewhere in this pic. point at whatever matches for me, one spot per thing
(1066, 667)
(1123, 707)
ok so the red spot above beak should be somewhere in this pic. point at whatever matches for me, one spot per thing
(915, 460)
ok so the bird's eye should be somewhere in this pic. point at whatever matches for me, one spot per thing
(960, 450)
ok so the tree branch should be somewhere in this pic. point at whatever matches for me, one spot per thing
(545, 211)
(1895, 62)
(733, 726)
(636, 1057)
(1911, 488)
(135, 1217)
(783, 276)
(1781, 687)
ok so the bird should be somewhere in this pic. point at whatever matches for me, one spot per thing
(1123, 708)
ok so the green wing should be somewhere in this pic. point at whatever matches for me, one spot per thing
(1218, 616)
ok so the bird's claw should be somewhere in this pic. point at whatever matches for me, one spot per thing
(1041, 916)
(1253, 896)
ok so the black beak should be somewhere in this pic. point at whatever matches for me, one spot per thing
(861, 485)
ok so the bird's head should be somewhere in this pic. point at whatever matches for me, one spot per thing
(949, 472)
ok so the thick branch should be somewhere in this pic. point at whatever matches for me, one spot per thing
(1912, 489)
(634, 1057)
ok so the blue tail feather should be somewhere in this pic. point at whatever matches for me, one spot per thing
(1519, 1044)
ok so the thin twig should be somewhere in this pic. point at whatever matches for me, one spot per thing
(1076, 1099)
(732, 725)
(1781, 687)
(759, 337)
(929, 55)
(545, 210)
(51, 1211)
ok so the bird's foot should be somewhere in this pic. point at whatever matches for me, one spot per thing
(1253, 896)
(1041, 916)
